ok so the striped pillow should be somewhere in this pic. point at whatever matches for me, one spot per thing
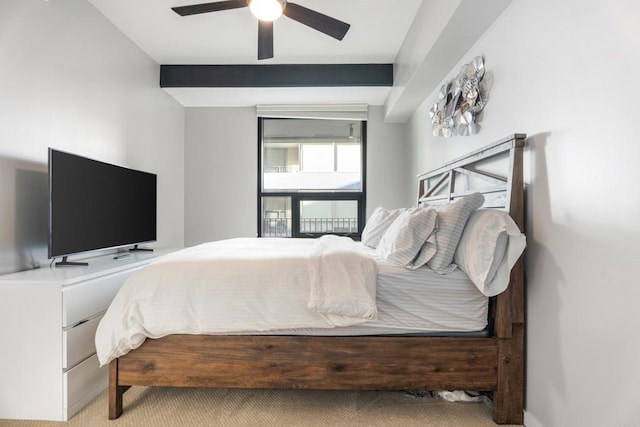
(451, 221)
(380, 220)
(409, 233)
(489, 247)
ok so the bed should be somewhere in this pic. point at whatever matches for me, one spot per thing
(358, 356)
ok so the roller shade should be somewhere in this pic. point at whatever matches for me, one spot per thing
(327, 112)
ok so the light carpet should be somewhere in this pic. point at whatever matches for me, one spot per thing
(145, 406)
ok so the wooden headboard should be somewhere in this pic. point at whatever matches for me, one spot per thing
(475, 172)
(466, 175)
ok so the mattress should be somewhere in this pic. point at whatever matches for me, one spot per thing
(416, 302)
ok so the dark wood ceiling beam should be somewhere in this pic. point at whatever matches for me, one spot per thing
(290, 75)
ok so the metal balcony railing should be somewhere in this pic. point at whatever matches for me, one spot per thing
(329, 225)
(281, 227)
(282, 169)
(276, 227)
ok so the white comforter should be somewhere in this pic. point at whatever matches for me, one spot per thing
(242, 285)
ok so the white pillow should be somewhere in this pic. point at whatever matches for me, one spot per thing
(490, 245)
(378, 223)
(451, 221)
(411, 231)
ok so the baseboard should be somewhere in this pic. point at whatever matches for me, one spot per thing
(531, 421)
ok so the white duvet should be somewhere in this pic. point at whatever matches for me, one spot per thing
(242, 285)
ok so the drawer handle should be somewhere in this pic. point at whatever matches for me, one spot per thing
(80, 323)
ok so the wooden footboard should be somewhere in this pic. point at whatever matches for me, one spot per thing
(305, 362)
(351, 363)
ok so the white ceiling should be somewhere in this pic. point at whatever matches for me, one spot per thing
(424, 39)
(378, 28)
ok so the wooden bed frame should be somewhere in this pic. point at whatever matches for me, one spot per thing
(494, 363)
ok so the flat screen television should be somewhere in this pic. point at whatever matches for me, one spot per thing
(95, 205)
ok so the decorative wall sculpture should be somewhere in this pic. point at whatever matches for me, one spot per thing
(460, 101)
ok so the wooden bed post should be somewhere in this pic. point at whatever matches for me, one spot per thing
(115, 391)
(508, 399)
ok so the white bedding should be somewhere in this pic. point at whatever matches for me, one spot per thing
(263, 286)
(242, 285)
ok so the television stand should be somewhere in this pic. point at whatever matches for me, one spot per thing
(135, 248)
(65, 263)
(48, 317)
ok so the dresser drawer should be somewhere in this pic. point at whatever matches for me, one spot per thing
(78, 343)
(84, 300)
(82, 383)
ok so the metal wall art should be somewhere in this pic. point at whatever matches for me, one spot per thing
(460, 101)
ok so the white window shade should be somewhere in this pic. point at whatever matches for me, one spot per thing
(327, 112)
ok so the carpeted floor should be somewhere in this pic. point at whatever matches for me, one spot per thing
(239, 407)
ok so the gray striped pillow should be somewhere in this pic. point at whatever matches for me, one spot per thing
(404, 239)
(380, 220)
(451, 221)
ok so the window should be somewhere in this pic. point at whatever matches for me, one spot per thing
(311, 177)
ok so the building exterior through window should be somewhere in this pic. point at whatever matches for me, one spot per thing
(311, 179)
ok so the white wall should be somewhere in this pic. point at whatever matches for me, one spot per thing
(564, 73)
(387, 157)
(70, 80)
(221, 158)
(221, 180)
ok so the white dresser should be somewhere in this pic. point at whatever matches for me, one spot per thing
(48, 319)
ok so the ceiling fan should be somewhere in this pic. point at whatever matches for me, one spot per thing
(269, 10)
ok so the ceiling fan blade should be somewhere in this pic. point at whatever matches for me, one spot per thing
(209, 7)
(316, 20)
(265, 39)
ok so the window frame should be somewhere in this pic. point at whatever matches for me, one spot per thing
(298, 196)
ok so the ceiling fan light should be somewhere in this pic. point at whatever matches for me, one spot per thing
(266, 10)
